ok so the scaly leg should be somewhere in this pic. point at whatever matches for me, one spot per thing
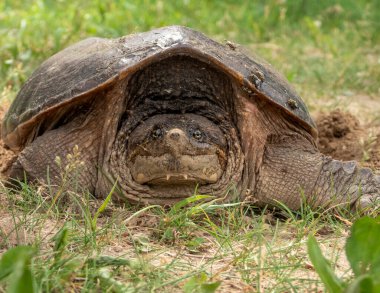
(292, 169)
(40, 156)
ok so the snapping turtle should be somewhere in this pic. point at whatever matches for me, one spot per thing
(165, 111)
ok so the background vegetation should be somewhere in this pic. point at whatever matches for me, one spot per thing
(329, 50)
(325, 48)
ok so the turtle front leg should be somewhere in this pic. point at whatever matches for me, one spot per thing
(295, 171)
(348, 182)
(38, 160)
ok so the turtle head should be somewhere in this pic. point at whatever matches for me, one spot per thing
(175, 149)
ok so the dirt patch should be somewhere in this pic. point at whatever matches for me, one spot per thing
(374, 161)
(341, 136)
(344, 137)
(12, 231)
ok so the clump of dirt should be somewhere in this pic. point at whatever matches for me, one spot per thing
(341, 136)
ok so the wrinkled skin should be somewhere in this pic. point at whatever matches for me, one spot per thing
(177, 150)
(181, 122)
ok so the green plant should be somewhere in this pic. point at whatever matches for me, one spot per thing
(102, 208)
(179, 220)
(200, 283)
(363, 254)
(15, 264)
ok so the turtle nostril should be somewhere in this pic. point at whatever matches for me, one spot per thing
(174, 135)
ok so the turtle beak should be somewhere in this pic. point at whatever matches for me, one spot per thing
(176, 134)
(176, 141)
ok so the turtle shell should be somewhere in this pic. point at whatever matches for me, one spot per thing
(96, 63)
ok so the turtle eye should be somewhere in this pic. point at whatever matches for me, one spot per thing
(197, 134)
(157, 133)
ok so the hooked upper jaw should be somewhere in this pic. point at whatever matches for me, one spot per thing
(185, 170)
(177, 149)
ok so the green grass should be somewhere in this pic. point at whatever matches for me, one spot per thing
(329, 50)
(190, 245)
(80, 243)
(325, 48)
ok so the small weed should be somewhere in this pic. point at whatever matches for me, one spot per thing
(178, 222)
(15, 264)
(200, 283)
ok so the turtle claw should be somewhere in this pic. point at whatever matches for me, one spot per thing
(369, 201)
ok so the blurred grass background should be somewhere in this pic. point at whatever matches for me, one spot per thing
(325, 48)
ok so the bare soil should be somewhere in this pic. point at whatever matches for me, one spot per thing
(374, 162)
(341, 135)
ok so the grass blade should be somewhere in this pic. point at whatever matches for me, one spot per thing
(323, 267)
(102, 207)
